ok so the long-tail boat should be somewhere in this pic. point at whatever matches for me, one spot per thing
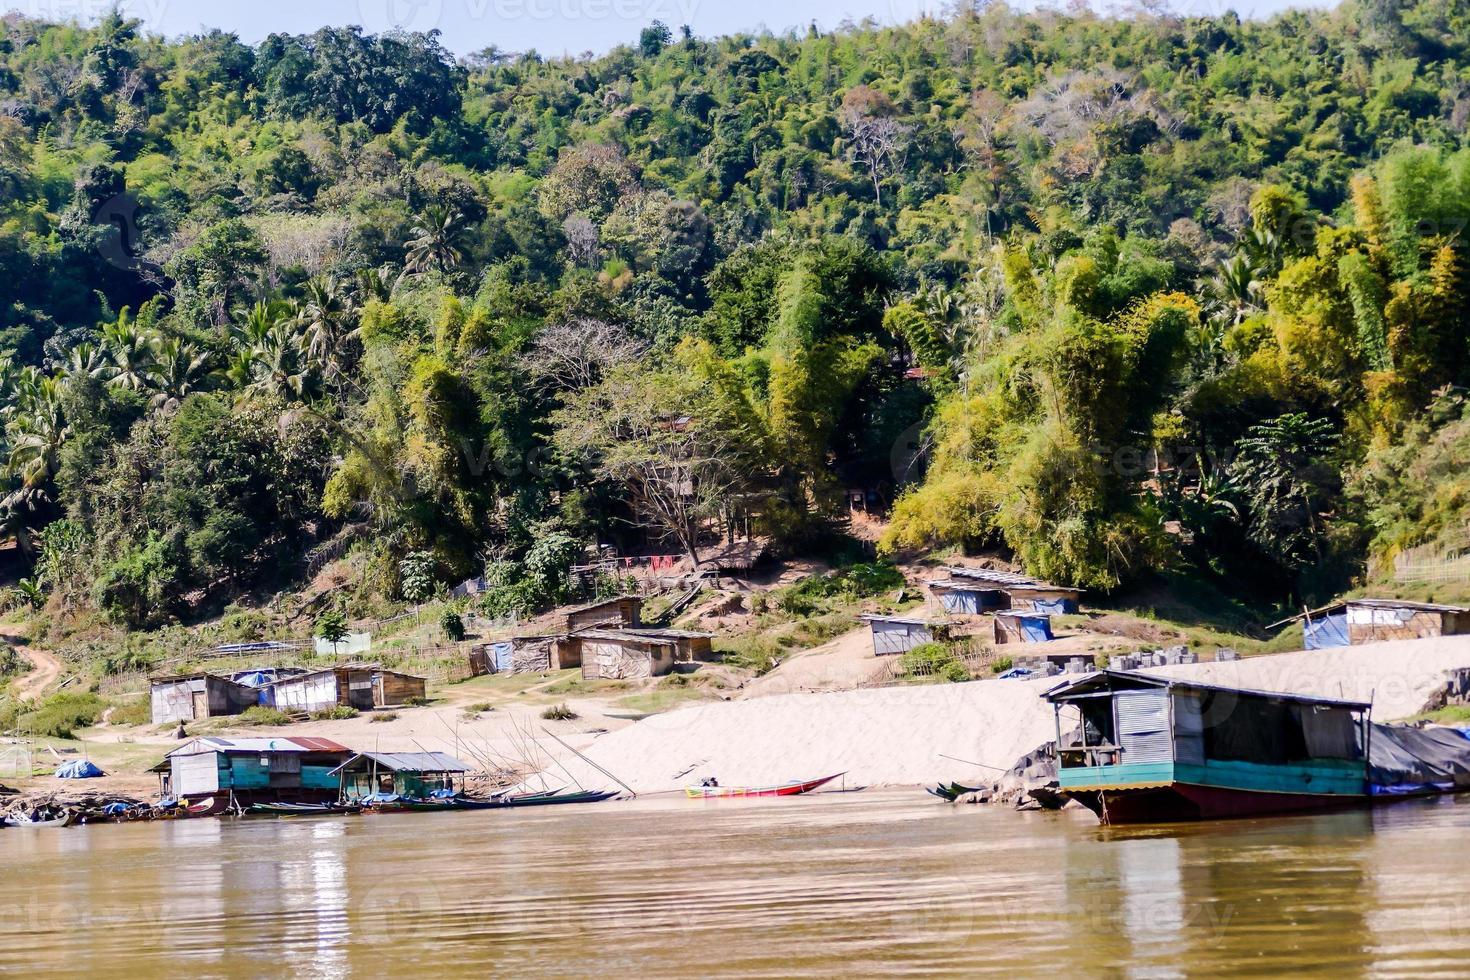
(949, 792)
(784, 789)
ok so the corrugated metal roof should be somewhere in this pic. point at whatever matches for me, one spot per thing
(319, 744)
(671, 633)
(1102, 677)
(211, 743)
(1006, 579)
(411, 762)
(970, 586)
(1406, 604)
(661, 636)
(1341, 604)
(906, 621)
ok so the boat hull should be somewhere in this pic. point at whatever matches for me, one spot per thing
(1183, 802)
(734, 792)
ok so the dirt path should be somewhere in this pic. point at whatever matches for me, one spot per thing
(45, 669)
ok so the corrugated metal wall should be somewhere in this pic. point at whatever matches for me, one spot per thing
(892, 638)
(195, 775)
(1143, 725)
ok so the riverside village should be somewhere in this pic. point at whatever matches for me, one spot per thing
(661, 489)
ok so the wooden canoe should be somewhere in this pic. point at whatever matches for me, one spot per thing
(785, 789)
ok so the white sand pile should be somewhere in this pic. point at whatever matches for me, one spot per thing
(893, 736)
(1399, 676)
(898, 736)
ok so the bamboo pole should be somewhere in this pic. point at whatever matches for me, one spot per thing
(594, 765)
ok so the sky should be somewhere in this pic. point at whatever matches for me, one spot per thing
(552, 27)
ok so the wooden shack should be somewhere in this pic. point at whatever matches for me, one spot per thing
(1374, 620)
(243, 771)
(349, 686)
(1356, 621)
(392, 688)
(622, 612)
(518, 655)
(628, 654)
(1013, 626)
(193, 697)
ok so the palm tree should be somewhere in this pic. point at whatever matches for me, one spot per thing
(254, 323)
(435, 244)
(375, 284)
(1237, 287)
(279, 365)
(326, 318)
(86, 360)
(37, 432)
(129, 350)
(178, 370)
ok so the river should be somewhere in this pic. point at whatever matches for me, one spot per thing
(884, 882)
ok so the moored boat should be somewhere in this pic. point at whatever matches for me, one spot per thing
(40, 819)
(783, 789)
(949, 792)
(1157, 750)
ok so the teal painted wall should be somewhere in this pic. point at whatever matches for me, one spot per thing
(246, 772)
(1327, 776)
(319, 777)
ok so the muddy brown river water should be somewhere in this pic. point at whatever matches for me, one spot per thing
(884, 882)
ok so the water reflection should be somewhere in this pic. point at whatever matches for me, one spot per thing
(888, 883)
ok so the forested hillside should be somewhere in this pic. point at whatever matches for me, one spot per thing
(1153, 292)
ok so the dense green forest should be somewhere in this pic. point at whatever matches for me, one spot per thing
(1148, 292)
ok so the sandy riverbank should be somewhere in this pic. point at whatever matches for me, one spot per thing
(896, 736)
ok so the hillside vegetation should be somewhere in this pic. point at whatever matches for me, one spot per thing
(1149, 293)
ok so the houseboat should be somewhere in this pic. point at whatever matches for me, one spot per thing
(1149, 749)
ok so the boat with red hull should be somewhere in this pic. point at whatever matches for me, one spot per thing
(733, 792)
(1152, 749)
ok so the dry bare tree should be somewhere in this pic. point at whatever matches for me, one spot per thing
(875, 137)
(579, 353)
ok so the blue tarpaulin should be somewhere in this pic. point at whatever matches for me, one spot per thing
(1321, 632)
(1035, 629)
(504, 654)
(1056, 607)
(78, 769)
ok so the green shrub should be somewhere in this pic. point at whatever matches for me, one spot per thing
(261, 715)
(338, 712)
(934, 660)
(559, 712)
(60, 715)
(11, 662)
(815, 593)
(1002, 665)
(384, 716)
(452, 625)
(133, 711)
(137, 587)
